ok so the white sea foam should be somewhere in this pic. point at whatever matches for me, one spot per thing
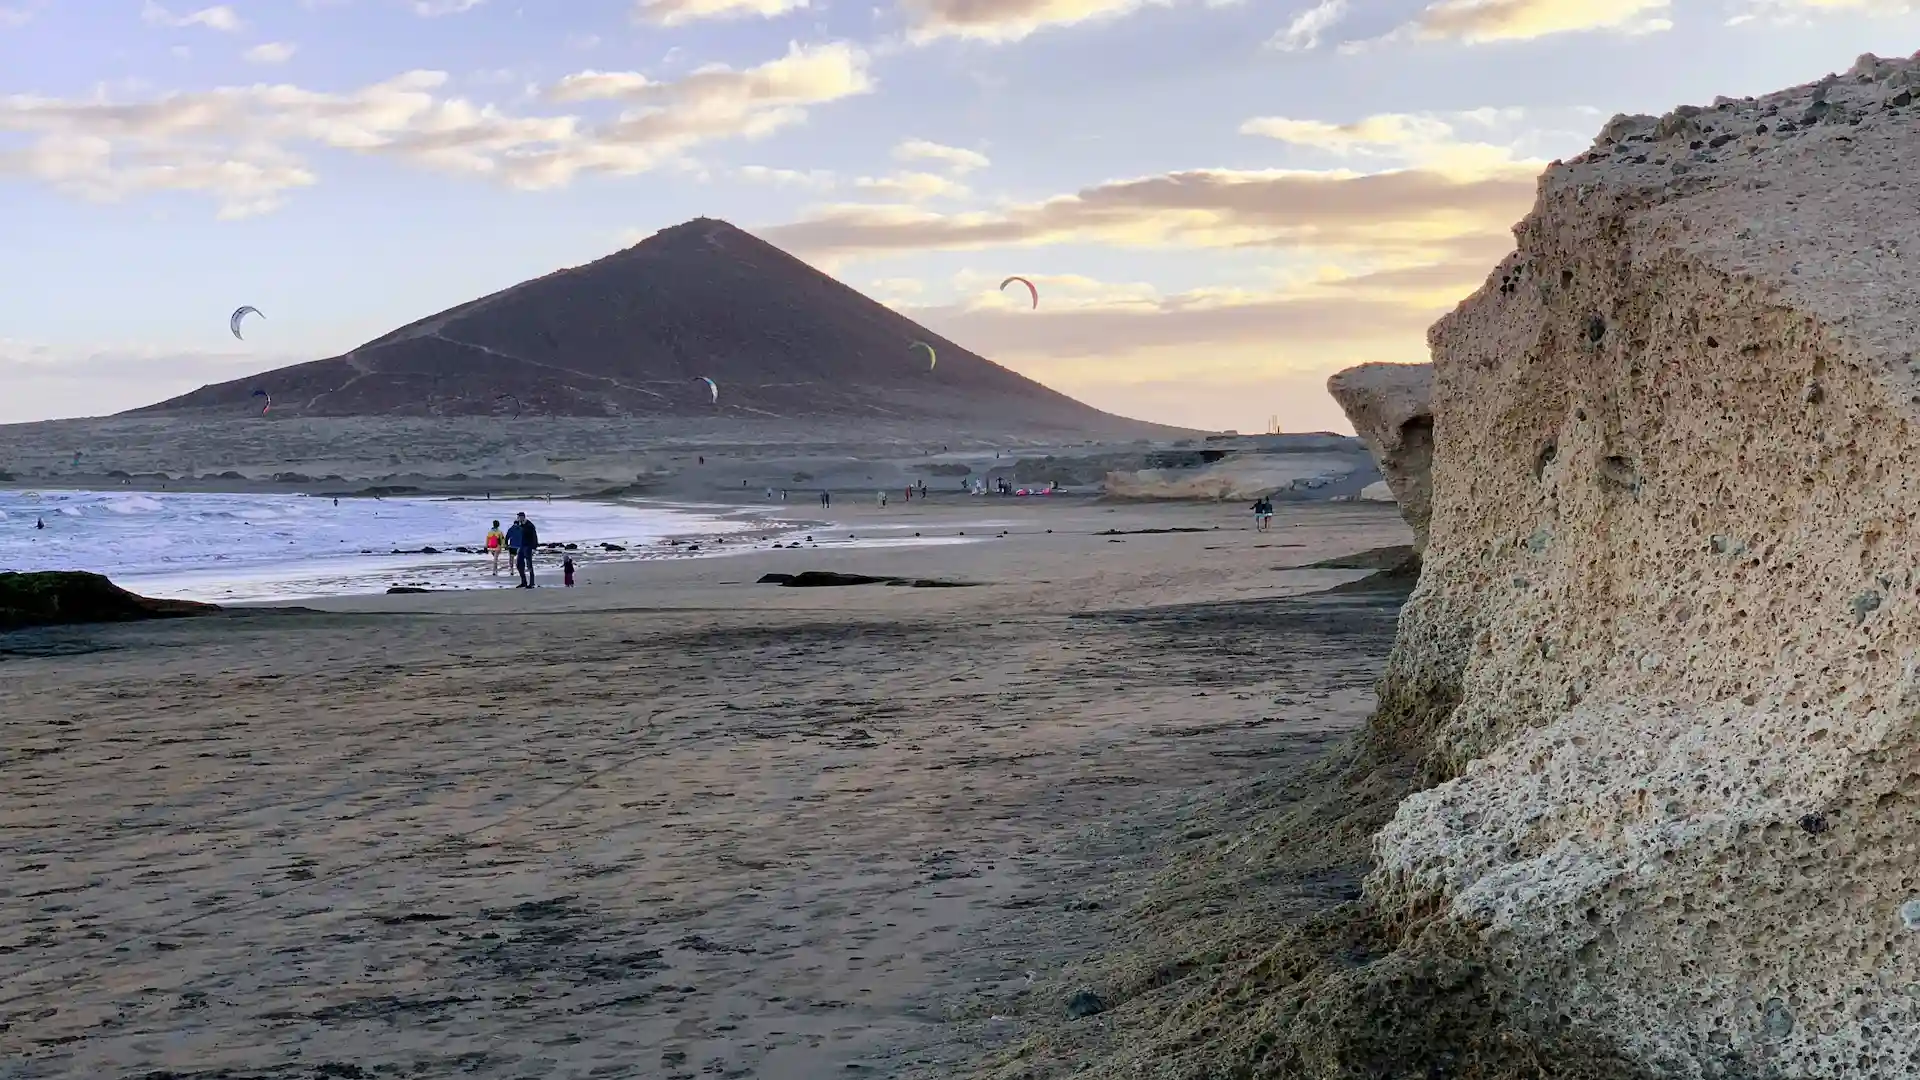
(273, 547)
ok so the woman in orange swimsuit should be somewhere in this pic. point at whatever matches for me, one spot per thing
(495, 541)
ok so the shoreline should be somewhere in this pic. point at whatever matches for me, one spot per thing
(440, 566)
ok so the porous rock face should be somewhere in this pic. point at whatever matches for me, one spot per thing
(1674, 578)
(1391, 409)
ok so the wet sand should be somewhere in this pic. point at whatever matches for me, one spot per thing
(670, 823)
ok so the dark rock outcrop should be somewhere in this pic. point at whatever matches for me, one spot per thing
(65, 597)
(815, 579)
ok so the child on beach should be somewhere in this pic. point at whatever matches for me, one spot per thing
(496, 540)
(566, 571)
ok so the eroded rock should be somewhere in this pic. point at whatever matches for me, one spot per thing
(1671, 576)
(1391, 409)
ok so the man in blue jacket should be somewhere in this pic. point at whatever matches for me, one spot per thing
(523, 540)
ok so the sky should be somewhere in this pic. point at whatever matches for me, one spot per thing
(1222, 201)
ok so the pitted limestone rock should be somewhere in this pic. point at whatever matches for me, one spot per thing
(1674, 555)
(1391, 409)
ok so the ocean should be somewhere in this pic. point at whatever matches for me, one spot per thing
(239, 548)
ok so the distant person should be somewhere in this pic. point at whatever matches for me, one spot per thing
(769, 494)
(39, 523)
(1262, 514)
(566, 571)
(883, 499)
(496, 540)
(826, 500)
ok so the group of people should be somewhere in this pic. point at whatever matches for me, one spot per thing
(1262, 514)
(520, 542)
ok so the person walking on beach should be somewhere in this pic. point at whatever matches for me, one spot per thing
(1262, 514)
(826, 500)
(512, 542)
(566, 571)
(495, 541)
(529, 543)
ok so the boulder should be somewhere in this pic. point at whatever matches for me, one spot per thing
(1391, 409)
(1664, 654)
(64, 597)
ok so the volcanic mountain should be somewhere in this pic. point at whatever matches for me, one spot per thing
(633, 334)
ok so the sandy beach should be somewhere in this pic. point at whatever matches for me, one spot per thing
(670, 823)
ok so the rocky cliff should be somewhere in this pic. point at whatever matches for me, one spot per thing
(1672, 580)
(1391, 409)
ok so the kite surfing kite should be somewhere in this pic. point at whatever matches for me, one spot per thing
(712, 387)
(509, 397)
(269, 401)
(233, 321)
(1030, 288)
(932, 359)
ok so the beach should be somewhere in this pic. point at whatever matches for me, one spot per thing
(671, 822)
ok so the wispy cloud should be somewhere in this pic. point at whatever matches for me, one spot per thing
(1804, 12)
(954, 158)
(1424, 141)
(433, 9)
(1408, 210)
(240, 144)
(270, 52)
(220, 18)
(1307, 28)
(680, 12)
(1008, 20)
(812, 178)
(1481, 21)
(913, 186)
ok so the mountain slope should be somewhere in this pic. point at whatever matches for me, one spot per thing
(631, 334)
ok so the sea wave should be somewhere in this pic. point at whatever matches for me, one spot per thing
(227, 547)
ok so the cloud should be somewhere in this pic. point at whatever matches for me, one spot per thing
(1206, 356)
(1414, 140)
(1401, 210)
(271, 52)
(433, 9)
(213, 18)
(1803, 12)
(812, 178)
(12, 15)
(679, 12)
(913, 186)
(1305, 30)
(1007, 20)
(238, 144)
(1480, 21)
(954, 158)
